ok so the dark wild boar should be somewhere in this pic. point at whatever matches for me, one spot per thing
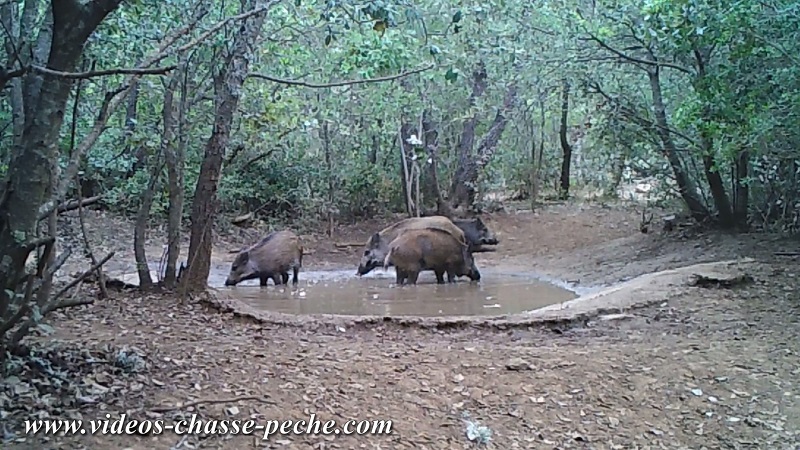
(476, 233)
(430, 249)
(271, 257)
(378, 244)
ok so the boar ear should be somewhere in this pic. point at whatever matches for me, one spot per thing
(375, 240)
(244, 257)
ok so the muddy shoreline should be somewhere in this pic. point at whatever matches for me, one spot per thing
(638, 293)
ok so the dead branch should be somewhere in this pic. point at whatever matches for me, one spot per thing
(348, 244)
(75, 204)
(71, 303)
(32, 287)
(339, 83)
(305, 251)
(212, 401)
(39, 242)
(242, 219)
(786, 253)
(6, 76)
(699, 280)
(104, 73)
(267, 153)
(58, 262)
(100, 278)
(81, 277)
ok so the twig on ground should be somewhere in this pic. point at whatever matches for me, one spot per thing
(786, 253)
(212, 401)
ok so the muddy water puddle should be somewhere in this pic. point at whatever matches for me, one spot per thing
(341, 292)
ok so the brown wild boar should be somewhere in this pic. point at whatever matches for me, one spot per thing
(377, 246)
(430, 249)
(271, 257)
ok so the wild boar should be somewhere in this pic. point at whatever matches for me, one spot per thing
(271, 257)
(430, 249)
(476, 233)
(378, 244)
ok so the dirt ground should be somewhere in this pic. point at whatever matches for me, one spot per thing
(712, 368)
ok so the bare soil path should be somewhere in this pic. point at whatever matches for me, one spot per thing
(708, 368)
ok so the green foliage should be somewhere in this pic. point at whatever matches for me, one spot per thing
(745, 96)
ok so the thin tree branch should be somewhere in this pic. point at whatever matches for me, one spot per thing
(219, 25)
(340, 83)
(103, 73)
(594, 87)
(633, 59)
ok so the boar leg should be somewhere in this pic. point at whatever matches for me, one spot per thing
(412, 277)
(295, 271)
(285, 277)
(451, 275)
(262, 280)
(401, 277)
(276, 278)
(440, 276)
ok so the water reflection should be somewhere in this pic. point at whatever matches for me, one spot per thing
(341, 292)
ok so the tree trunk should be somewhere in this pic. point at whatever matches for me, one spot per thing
(487, 146)
(616, 177)
(174, 159)
(140, 230)
(11, 23)
(717, 186)
(131, 116)
(713, 177)
(405, 170)
(533, 181)
(538, 160)
(429, 138)
(325, 138)
(566, 159)
(376, 144)
(227, 86)
(685, 186)
(431, 190)
(30, 172)
(460, 191)
(742, 191)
